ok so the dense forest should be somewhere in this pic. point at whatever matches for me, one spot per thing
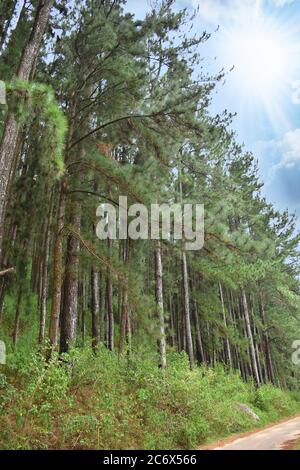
(99, 104)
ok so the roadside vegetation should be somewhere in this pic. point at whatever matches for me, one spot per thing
(104, 401)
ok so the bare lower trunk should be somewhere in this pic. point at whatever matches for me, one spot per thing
(123, 319)
(160, 306)
(250, 338)
(70, 304)
(57, 275)
(109, 300)
(84, 307)
(188, 329)
(227, 344)
(266, 340)
(124, 311)
(129, 332)
(199, 342)
(17, 320)
(44, 278)
(171, 336)
(2, 291)
(95, 308)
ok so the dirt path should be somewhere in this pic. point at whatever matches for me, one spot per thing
(273, 438)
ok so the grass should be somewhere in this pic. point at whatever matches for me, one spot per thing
(111, 402)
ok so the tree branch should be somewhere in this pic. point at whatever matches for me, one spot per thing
(7, 271)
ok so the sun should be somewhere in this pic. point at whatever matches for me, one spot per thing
(265, 58)
(261, 59)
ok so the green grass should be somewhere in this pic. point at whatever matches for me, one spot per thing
(108, 402)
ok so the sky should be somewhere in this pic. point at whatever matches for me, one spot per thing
(260, 39)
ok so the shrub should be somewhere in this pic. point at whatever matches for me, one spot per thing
(106, 401)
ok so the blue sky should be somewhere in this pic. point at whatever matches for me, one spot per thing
(261, 39)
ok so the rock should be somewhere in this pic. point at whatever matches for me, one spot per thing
(2, 352)
(248, 410)
(2, 93)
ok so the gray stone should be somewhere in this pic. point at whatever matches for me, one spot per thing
(2, 93)
(248, 411)
(2, 353)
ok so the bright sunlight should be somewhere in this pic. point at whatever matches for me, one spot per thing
(263, 52)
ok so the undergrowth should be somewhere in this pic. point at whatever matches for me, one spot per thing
(104, 401)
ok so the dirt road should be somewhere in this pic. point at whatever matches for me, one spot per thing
(273, 438)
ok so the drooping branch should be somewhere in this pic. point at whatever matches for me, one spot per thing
(7, 271)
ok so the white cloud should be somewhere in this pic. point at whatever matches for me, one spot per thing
(282, 3)
(220, 11)
(287, 150)
(290, 146)
(275, 154)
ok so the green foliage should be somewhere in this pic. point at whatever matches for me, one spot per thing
(36, 101)
(83, 401)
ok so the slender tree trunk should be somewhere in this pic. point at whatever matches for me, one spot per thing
(102, 307)
(84, 307)
(129, 333)
(255, 336)
(17, 320)
(95, 308)
(188, 328)
(12, 127)
(70, 305)
(58, 267)
(171, 322)
(199, 343)
(228, 351)
(266, 340)
(2, 292)
(123, 319)
(250, 338)
(58, 246)
(123, 301)
(179, 322)
(44, 277)
(160, 306)
(109, 300)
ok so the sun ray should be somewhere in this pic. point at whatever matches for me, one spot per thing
(266, 57)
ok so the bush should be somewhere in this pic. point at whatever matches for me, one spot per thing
(110, 402)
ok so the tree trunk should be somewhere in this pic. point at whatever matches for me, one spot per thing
(109, 305)
(186, 295)
(266, 340)
(124, 299)
(199, 343)
(17, 320)
(44, 277)
(95, 308)
(70, 304)
(171, 322)
(57, 275)
(228, 351)
(10, 136)
(160, 306)
(129, 332)
(250, 338)
(84, 307)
